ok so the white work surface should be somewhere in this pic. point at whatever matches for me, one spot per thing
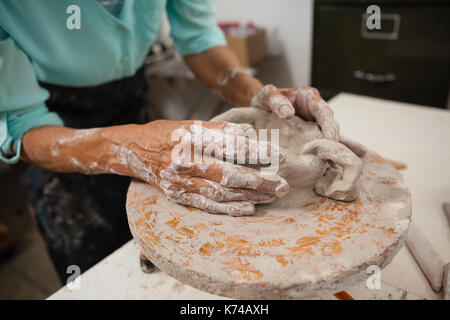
(417, 136)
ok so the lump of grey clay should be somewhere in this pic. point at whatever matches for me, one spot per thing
(308, 161)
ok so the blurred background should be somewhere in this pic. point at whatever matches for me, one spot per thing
(289, 43)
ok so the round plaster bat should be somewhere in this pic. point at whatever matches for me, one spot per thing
(302, 245)
(306, 159)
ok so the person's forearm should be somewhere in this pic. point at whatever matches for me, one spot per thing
(89, 151)
(219, 69)
(156, 153)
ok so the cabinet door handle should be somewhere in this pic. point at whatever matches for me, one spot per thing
(374, 77)
(377, 35)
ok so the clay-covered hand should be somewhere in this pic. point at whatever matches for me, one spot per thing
(185, 161)
(306, 102)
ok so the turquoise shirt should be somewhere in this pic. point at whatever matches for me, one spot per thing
(36, 44)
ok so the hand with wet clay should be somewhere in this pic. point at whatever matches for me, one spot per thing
(189, 165)
(186, 160)
(307, 103)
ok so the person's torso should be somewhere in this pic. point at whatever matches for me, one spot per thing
(105, 47)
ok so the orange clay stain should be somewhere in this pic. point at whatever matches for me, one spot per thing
(386, 182)
(376, 157)
(150, 237)
(280, 258)
(323, 248)
(309, 204)
(183, 231)
(306, 241)
(217, 233)
(148, 214)
(299, 253)
(150, 200)
(272, 243)
(262, 219)
(333, 222)
(329, 231)
(200, 226)
(336, 247)
(344, 231)
(208, 248)
(241, 271)
(244, 251)
(173, 223)
(188, 233)
(243, 274)
(187, 263)
(236, 245)
(289, 221)
(336, 207)
(303, 245)
(141, 220)
(172, 238)
(236, 240)
(138, 193)
(236, 262)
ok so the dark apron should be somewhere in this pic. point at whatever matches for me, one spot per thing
(81, 217)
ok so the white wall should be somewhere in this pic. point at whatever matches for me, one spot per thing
(289, 24)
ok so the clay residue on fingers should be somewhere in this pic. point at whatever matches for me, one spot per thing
(270, 98)
(282, 186)
(238, 208)
(307, 160)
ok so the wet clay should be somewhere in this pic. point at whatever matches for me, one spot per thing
(307, 160)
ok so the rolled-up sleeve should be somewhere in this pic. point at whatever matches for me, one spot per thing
(22, 100)
(193, 26)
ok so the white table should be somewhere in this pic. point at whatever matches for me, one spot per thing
(417, 136)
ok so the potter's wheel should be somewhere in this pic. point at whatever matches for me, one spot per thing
(316, 247)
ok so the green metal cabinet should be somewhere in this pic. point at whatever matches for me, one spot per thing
(408, 59)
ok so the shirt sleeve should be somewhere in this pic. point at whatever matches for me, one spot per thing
(193, 26)
(22, 105)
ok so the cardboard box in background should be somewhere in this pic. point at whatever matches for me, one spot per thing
(250, 49)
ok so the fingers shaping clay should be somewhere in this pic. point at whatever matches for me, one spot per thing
(307, 160)
(302, 245)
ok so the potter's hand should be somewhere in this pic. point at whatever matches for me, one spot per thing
(181, 158)
(307, 103)
(158, 153)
